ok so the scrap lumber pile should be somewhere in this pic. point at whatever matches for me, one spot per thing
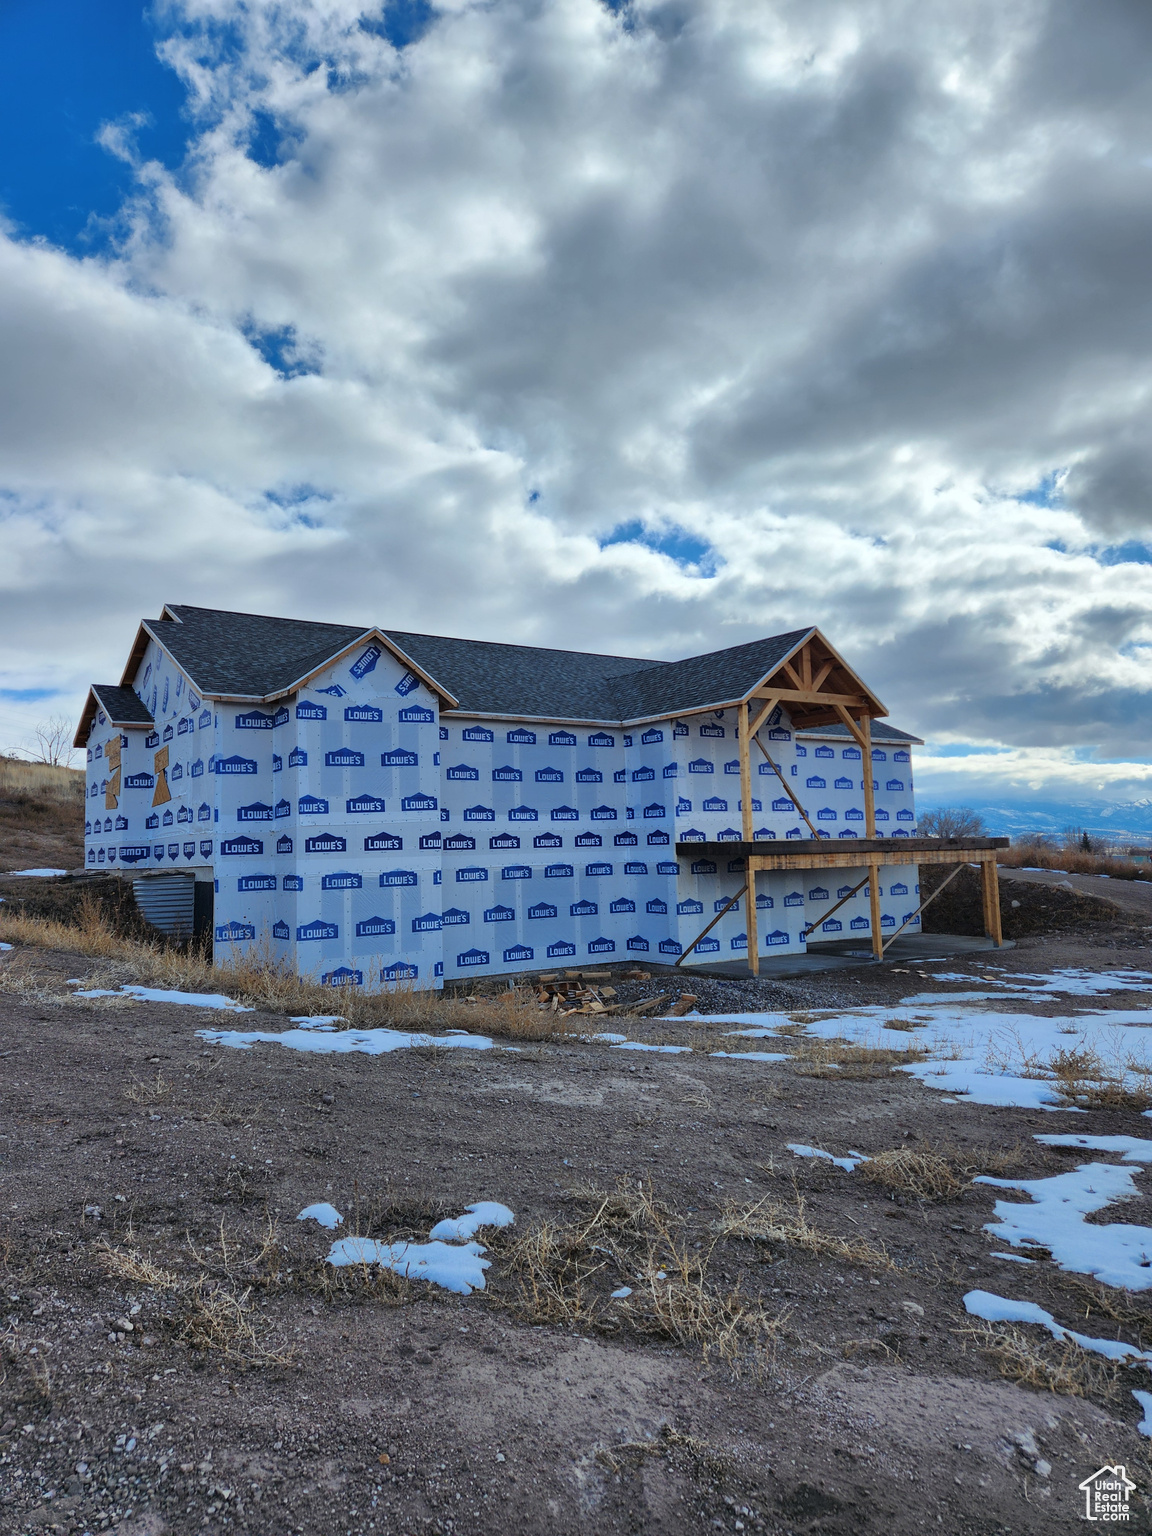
(582, 992)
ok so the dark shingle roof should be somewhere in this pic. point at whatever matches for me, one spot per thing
(247, 655)
(881, 731)
(255, 656)
(121, 705)
(524, 679)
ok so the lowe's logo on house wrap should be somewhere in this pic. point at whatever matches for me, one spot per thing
(326, 842)
(653, 811)
(462, 771)
(548, 840)
(344, 757)
(256, 883)
(471, 872)
(366, 663)
(228, 765)
(565, 813)
(477, 733)
(342, 976)
(317, 930)
(281, 717)
(561, 739)
(292, 883)
(474, 957)
(431, 840)
(139, 781)
(284, 845)
(383, 842)
(558, 871)
(184, 727)
(418, 802)
(399, 877)
(364, 713)
(503, 840)
(364, 803)
(455, 917)
(460, 842)
(603, 813)
(400, 758)
(312, 805)
(589, 776)
(639, 775)
(712, 730)
(597, 869)
(416, 714)
(587, 840)
(516, 872)
(407, 684)
(399, 970)
(309, 710)
(283, 808)
(518, 953)
(375, 928)
(561, 948)
(549, 776)
(133, 855)
(522, 813)
(542, 909)
(601, 739)
(257, 811)
(521, 738)
(583, 908)
(229, 933)
(342, 880)
(507, 775)
(602, 947)
(280, 929)
(637, 942)
(254, 720)
(242, 845)
(479, 813)
(623, 904)
(499, 915)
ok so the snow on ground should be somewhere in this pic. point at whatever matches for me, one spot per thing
(43, 874)
(849, 1164)
(1133, 1148)
(1118, 1254)
(371, 1042)
(455, 1268)
(485, 1213)
(622, 1043)
(161, 995)
(989, 1054)
(5, 946)
(319, 1020)
(999, 1309)
(1145, 1401)
(327, 1215)
(454, 1265)
(751, 1055)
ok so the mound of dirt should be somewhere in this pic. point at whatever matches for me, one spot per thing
(1024, 908)
(41, 816)
(68, 898)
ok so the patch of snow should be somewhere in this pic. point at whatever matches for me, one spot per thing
(1145, 1400)
(327, 1215)
(41, 874)
(5, 946)
(484, 1213)
(1118, 1254)
(980, 1087)
(849, 1164)
(319, 1020)
(1016, 1258)
(371, 1042)
(625, 1290)
(1133, 1148)
(751, 1055)
(161, 995)
(457, 1268)
(641, 1045)
(999, 1309)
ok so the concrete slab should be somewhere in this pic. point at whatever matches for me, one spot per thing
(843, 954)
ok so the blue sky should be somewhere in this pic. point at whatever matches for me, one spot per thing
(600, 327)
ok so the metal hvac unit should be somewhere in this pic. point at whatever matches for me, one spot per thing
(167, 901)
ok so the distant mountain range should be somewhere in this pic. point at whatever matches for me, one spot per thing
(1125, 821)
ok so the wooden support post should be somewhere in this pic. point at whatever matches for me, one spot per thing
(869, 792)
(874, 906)
(750, 926)
(990, 889)
(745, 750)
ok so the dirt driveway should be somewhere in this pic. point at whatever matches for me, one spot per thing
(180, 1358)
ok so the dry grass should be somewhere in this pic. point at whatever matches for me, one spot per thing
(922, 1175)
(1133, 1310)
(210, 1309)
(154, 1091)
(1071, 861)
(40, 780)
(838, 1058)
(562, 1272)
(771, 1221)
(631, 1454)
(1043, 1366)
(1085, 1080)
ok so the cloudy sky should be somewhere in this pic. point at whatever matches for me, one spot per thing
(646, 327)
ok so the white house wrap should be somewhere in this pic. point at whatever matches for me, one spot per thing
(377, 805)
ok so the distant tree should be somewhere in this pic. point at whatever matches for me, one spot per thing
(951, 821)
(1076, 837)
(52, 742)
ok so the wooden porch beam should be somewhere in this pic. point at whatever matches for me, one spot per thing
(744, 748)
(855, 701)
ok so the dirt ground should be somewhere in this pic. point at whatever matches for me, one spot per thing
(150, 1179)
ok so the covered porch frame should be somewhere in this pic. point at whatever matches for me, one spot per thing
(872, 854)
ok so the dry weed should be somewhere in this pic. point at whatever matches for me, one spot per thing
(771, 1221)
(136, 1268)
(837, 1058)
(153, 1092)
(922, 1175)
(1047, 1367)
(632, 1453)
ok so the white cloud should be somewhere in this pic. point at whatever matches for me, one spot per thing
(830, 286)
